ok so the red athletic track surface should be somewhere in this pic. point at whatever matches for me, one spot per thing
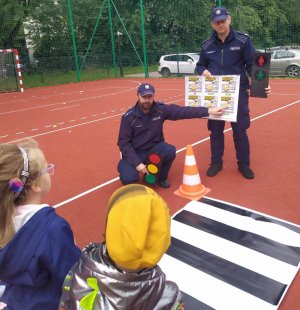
(77, 126)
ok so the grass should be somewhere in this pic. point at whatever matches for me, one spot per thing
(46, 78)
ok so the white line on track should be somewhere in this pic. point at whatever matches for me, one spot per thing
(61, 123)
(70, 106)
(66, 128)
(86, 192)
(178, 151)
(67, 93)
(289, 94)
(276, 110)
(181, 95)
(173, 101)
(75, 100)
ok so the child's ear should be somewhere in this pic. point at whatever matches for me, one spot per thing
(35, 188)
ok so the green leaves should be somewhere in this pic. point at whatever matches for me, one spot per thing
(171, 26)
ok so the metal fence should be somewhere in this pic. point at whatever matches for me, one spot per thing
(65, 41)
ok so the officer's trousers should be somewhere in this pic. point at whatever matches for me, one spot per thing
(240, 137)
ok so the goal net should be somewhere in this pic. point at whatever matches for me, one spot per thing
(10, 71)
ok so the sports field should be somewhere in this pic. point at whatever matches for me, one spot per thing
(77, 127)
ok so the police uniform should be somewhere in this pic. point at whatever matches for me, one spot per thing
(142, 133)
(231, 57)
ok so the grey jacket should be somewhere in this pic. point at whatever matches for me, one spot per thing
(95, 283)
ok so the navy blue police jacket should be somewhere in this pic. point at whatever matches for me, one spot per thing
(233, 57)
(140, 132)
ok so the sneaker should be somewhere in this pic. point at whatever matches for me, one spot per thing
(214, 169)
(164, 184)
(246, 171)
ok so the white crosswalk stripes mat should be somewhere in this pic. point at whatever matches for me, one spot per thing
(227, 257)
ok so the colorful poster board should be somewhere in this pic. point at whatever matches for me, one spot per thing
(216, 91)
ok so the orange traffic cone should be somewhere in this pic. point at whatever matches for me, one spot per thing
(191, 187)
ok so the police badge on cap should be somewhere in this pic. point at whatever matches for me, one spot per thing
(218, 13)
(146, 89)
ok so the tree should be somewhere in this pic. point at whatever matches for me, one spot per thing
(170, 26)
(12, 15)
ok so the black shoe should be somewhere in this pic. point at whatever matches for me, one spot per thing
(246, 171)
(164, 184)
(214, 169)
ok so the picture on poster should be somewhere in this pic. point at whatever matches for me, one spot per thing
(194, 84)
(213, 92)
(211, 84)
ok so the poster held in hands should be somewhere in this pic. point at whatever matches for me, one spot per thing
(214, 92)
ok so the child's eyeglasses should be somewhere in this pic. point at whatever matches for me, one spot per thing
(49, 169)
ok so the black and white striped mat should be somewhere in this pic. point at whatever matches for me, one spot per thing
(227, 257)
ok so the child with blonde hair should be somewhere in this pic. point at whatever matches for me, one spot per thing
(122, 272)
(37, 247)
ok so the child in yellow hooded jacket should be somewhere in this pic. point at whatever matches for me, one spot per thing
(122, 272)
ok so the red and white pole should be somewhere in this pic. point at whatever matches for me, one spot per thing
(19, 73)
(19, 70)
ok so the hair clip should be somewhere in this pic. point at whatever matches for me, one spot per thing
(15, 185)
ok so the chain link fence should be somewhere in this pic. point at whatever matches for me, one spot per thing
(62, 41)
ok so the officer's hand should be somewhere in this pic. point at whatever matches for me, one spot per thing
(248, 90)
(268, 90)
(141, 168)
(215, 111)
(206, 73)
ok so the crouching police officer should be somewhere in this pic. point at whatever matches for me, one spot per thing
(141, 132)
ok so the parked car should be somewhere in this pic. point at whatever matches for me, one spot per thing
(285, 63)
(183, 63)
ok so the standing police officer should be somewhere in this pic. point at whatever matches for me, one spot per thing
(141, 132)
(229, 52)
